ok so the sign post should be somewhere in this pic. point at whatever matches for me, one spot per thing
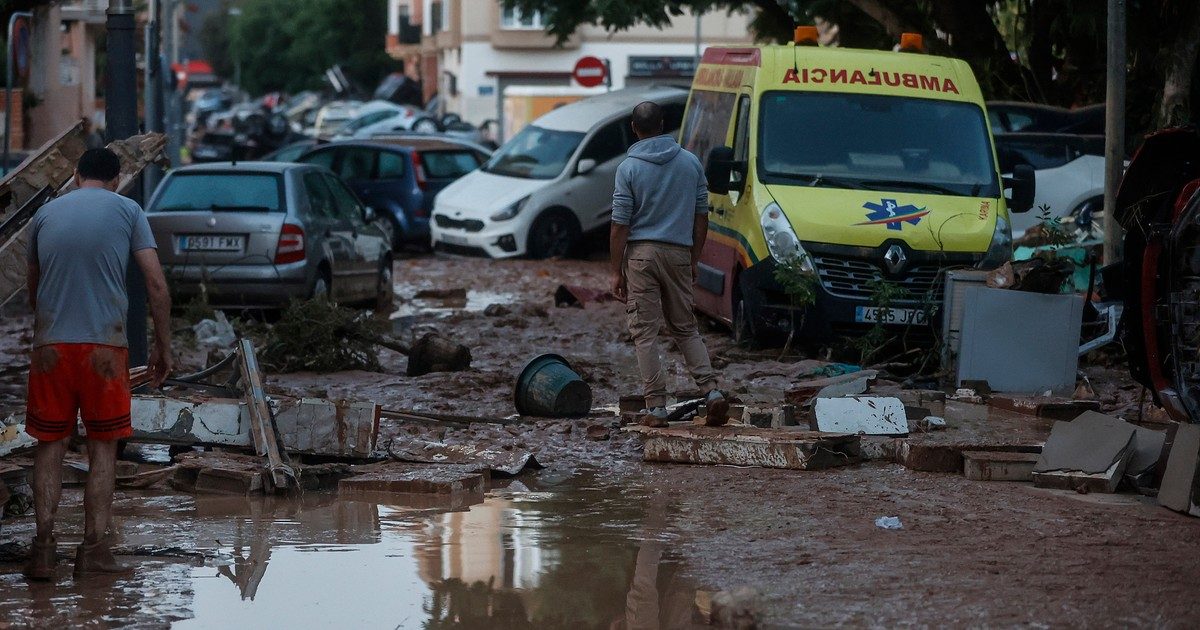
(591, 72)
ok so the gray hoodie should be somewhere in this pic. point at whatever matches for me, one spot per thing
(660, 188)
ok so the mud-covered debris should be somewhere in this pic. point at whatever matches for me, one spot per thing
(598, 432)
(457, 293)
(497, 310)
(738, 609)
(577, 297)
(320, 336)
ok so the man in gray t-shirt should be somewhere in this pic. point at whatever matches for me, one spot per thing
(79, 250)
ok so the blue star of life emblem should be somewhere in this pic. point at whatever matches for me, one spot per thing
(890, 213)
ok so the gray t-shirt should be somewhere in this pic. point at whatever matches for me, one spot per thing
(82, 243)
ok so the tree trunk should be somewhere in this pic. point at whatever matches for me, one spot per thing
(1179, 62)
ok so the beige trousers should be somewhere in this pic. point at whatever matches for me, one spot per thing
(658, 278)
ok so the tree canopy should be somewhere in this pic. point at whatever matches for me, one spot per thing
(1049, 51)
(287, 45)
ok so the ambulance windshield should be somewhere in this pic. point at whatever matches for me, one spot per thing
(874, 142)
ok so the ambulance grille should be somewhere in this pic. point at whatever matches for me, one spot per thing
(851, 278)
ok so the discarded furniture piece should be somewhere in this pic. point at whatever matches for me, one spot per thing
(309, 426)
(52, 167)
(1020, 342)
(549, 388)
(431, 353)
(748, 446)
(999, 465)
(1180, 489)
(1090, 453)
(314, 426)
(953, 306)
(865, 415)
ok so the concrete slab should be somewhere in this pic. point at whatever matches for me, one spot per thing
(1180, 490)
(400, 477)
(860, 415)
(998, 465)
(853, 383)
(1090, 444)
(748, 446)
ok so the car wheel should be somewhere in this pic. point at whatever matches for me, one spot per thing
(385, 297)
(425, 125)
(1088, 220)
(322, 286)
(553, 235)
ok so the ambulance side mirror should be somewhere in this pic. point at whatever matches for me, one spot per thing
(1024, 187)
(718, 170)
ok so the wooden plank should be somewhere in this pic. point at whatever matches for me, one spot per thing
(262, 425)
(748, 446)
(53, 167)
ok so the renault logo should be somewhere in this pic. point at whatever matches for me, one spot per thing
(895, 259)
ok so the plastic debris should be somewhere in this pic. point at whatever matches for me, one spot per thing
(889, 522)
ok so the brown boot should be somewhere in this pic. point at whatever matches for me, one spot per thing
(716, 409)
(656, 418)
(96, 558)
(43, 555)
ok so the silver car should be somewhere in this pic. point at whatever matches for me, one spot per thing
(258, 234)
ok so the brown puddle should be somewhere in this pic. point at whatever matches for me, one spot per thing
(578, 554)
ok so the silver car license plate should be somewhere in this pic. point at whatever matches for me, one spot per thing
(902, 316)
(212, 243)
(454, 239)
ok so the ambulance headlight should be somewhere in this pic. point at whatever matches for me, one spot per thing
(782, 241)
(1000, 251)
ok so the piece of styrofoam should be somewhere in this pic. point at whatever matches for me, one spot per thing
(1020, 342)
(866, 415)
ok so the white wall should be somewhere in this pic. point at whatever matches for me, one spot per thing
(479, 58)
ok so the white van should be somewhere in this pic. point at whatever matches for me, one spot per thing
(550, 183)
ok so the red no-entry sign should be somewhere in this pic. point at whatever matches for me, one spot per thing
(590, 71)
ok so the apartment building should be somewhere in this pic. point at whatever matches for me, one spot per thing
(470, 51)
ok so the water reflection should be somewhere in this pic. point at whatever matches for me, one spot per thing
(584, 555)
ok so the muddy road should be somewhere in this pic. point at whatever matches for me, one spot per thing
(597, 539)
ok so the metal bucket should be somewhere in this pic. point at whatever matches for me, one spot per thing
(548, 387)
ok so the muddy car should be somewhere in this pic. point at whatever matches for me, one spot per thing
(259, 234)
(1158, 205)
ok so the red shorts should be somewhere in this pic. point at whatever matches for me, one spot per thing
(86, 380)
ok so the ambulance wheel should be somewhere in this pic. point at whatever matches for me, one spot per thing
(743, 321)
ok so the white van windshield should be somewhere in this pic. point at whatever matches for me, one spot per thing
(875, 142)
(535, 153)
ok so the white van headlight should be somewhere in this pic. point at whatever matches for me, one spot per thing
(510, 211)
(1000, 251)
(782, 241)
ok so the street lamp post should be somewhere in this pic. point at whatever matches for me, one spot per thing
(121, 100)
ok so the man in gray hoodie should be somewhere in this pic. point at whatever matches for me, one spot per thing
(659, 223)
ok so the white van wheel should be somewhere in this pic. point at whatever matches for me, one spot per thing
(553, 235)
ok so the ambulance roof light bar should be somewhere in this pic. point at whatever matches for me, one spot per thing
(912, 42)
(805, 36)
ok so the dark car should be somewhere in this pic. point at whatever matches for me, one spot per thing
(1017, 117)
(399, 178)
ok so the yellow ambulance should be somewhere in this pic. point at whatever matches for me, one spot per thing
(860, 166)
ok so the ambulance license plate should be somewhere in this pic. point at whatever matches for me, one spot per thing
(902, 316)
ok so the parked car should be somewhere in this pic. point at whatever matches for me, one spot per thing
(1069, 171)
(384, 117)
(258, 234)
(400, 177)
(291, 152)
(333, 115)
(550, 183)
(1013, 117)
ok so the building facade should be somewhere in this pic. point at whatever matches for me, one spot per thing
(469, 52)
